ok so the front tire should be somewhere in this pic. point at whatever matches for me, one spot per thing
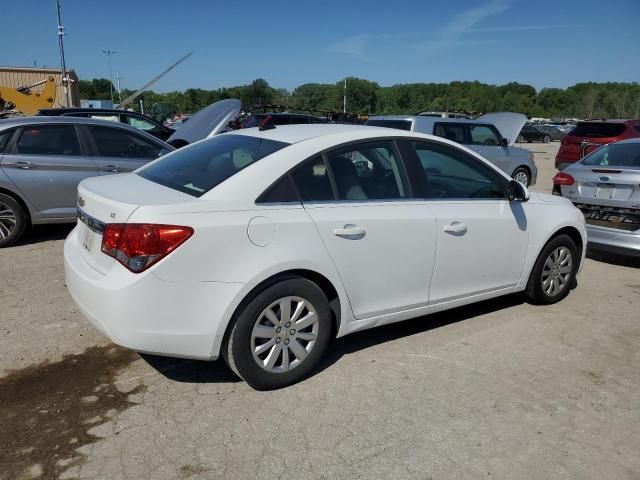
(522, 175)
(554, 273)
(280, 335)
(13, 221)
(546, 139)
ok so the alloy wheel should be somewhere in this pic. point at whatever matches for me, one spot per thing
(284, 334)
(8, 221)
(556, 272)
(522, 177)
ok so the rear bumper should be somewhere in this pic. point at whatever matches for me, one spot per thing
(145, 313)
(613, 240)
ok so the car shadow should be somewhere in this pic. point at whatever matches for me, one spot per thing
(194, 371)
(613, 258)
(45, 233)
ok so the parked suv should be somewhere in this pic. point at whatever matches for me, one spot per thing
(491, 135)
(589, 135)
(136, 120)
(42, 160)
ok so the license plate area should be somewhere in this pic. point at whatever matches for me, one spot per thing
(605, 190)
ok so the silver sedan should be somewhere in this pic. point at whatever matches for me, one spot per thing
(605, 186)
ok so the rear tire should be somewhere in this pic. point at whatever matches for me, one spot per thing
(13, 220)
(520, 139)
(280, 335)
(554, 273)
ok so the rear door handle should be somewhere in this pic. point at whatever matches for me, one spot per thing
(456, 228)
(111, 168)
(24, 165)
(350, 231)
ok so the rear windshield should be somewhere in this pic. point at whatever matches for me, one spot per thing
(198, 168)
(615, 155)
(399, 124)
(597, 130)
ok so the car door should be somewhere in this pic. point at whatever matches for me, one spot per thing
(118, 150)
(381, 239)
(481, 236)
(46, 163)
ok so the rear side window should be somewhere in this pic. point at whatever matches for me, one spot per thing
(312, 181)
(399, 124)
(198, 168)
(615, 155)
(139, 123)
(48, 140)
(370, 171)
(597, 130)
(116, 142)
(452, 131)
(4, 139)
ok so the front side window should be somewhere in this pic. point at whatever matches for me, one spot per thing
(312, 181)
(456, 132)
(370, 171)
(115, 142)
(48, 140)
(139, 123)
(453, 175)
(483, 135)
(615, 155)
(198, 168)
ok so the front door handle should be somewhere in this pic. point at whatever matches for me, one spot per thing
(456, 228)
(350, 231)
(24, 165)
(111, 168)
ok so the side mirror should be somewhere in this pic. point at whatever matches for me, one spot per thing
(505, 142)
(517, 192)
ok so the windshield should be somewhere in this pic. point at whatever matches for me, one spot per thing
(198, 168)
(615, 155)
(597, 130)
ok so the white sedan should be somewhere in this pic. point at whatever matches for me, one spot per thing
(260, 245)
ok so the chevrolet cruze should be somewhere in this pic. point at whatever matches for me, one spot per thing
(260, 245)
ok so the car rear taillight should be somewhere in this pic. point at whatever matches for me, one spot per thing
(137, 246)
(563, 179)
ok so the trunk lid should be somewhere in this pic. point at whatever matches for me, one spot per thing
(508, 124)
(207, 122)
(113, 199)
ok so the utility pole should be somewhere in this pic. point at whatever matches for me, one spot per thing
(118, 78)
(63, 65)
(108, 53)
(344, 97)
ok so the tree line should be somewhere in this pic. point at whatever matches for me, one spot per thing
(583, 100)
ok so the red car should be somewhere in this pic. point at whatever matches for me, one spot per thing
(589, 135)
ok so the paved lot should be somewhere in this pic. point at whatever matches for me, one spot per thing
(501, 389)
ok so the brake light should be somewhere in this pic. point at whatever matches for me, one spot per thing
(562, 178)
(137, 246)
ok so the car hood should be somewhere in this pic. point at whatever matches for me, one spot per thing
(207, 122)
(508, 124)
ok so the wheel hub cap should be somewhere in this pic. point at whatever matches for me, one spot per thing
(557, 271)
(284, 334)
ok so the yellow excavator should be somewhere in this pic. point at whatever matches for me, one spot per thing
(24, 100)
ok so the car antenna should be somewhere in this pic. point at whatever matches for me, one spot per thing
(265, 125)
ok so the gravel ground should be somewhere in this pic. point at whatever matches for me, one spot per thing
(500, 389)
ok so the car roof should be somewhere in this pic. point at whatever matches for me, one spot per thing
(425, 119)
(612, 120)
(19, 121)
(64, 110)
(300, 133)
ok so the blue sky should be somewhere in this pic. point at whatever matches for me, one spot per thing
(542, 43)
